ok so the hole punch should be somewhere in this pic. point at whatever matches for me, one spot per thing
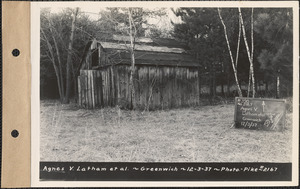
(16, 52)
(15, 133)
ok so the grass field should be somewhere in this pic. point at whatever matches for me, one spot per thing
(202, 134)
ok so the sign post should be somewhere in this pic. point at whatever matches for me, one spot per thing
(260, 113)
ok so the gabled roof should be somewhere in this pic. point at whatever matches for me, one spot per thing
(137, 47)
(152, 58)
(162, 42)
(118, 52)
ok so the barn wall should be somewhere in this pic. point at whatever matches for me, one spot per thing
(155, 87)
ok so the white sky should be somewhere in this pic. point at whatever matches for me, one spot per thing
(93, 13)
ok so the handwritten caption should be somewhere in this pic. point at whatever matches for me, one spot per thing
(64, 169)
(258, 113)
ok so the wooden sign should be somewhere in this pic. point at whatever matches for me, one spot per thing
(260, 113)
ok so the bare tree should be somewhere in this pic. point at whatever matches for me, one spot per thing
(129, 21)
(62, 88)
(252, 51)
(231, 57)
(50, 55)
(248, 52)
(69, 58)
(238, 44)
(52, 36)
(132, 33)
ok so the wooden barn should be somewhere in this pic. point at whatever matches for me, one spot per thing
(165, 75)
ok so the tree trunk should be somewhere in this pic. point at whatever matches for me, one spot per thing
(222, 80)
(278, 85)
(199, 83)
(248, 53)
(75, 83)
(252, 51)
(59, 61)
(228, 83)
(69, 58)
(222, 90)
(211, 93)
(238, 44)
(214, 82)
(132, 43)
(52, 58)
(231, 57)
(249, 83)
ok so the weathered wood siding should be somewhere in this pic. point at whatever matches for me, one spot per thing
(156, 87)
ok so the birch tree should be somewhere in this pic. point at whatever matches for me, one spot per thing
(248, 52)
(238, 44)
(230, 54)
(252, 52)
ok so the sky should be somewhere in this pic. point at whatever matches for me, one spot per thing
(93, 13)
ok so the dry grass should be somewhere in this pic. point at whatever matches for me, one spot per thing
(183, 135)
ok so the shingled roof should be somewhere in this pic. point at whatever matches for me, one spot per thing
(157, 52)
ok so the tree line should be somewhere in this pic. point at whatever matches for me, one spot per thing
(250, 44)
(233, 46)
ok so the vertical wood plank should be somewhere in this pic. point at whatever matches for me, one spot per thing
(161, 73)
(169, 88)
(101, 89)
(179, 86)
(185, 87)
(99, 55)
(136, 87)
(121, 78)
(79, 90)
(93, 88)
(117, 84)
(112, 87)
(182, 87)
(98, 87)
(177, 103)
(127, 84)
(157, 94)
(108, 87)
(141, 87)
(86, 89)
(110, 95)
(89, 90)
(188, 92)
(192, 81)
(82, 88)
(105, 88)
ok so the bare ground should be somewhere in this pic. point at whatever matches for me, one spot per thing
(202, 134)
